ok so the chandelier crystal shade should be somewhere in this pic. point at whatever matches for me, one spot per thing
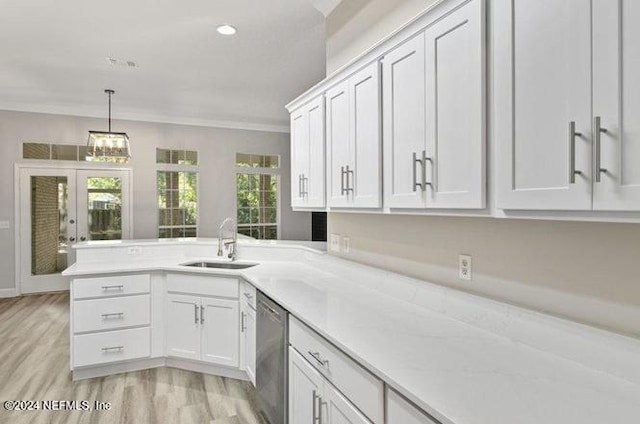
(108, 143)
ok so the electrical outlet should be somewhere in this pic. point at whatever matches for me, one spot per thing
(346, 244)
(4, 225)
(464, 267)
(134, 250)
(335, 243)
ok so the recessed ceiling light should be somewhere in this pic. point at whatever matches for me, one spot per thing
(226, 29)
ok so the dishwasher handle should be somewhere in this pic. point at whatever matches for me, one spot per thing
(275, 315)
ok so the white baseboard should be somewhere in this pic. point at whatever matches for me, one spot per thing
(7, 292)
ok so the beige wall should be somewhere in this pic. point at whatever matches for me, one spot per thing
(216, 147)
(355, 25)
(583, 271)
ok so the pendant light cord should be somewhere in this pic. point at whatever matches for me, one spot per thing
(109, 92)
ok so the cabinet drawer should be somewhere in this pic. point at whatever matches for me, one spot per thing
(248, 294)
(111, 313)
(111, 346)
(361, 387)
(208, 285)
(118, 285)
(399, 411)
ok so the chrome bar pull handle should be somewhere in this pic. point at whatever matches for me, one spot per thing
(416, 184)
(313, 407)
(114, 315)
(349, 186)
(320, 405)
(299, 185)
(342, 190)
(597, 131)
(195, 307)
(202, 314)
(110, 348)
(572, 152)
(118, 287)
(318, 358)
(424, 160)
(242, 326)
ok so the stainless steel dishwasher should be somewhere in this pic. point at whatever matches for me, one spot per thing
(272, 337)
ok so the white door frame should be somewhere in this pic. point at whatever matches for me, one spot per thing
(18, 167)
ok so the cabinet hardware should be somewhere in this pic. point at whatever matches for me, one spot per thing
(348, 188)
(423, 164)
(320, 405)
(83, 238)
(299, 185)
(72, 238)
(202, 314)
(118, 287)
(242, 325)
(597, 132)
(248, 296)
(342, 190)
(195, 309)
(115, 315)
(305, 185)
(572, 152)
(109, 349)
(318, 358)
(315, 416)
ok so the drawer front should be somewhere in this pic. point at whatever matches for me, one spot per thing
(111, 346)
(111, 313)
(361, 387)
(118, 285)
(399, 411)
(248, 294)
(208, 285)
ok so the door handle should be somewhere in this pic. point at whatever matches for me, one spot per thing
(597, 131)
(83, 238)
(242, 325)
(202, 314)
(342, 190)
(315, 414)
(349, 188)
(195, 313)
(572, 152)
(72, 238)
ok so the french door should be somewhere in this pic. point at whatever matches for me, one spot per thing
(61, 207)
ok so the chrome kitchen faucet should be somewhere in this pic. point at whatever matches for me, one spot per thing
(232, 245)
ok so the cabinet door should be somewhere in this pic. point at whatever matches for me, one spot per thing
(183, 326)
(542, 76)
(338, 143)
(399, 411)
(403, 98)
(314, 184)
(616, 103)
(221, 331)
(305, 390)
(250, 343)
(299, 155)
(455, 109)
(339, 410)
(365, 179)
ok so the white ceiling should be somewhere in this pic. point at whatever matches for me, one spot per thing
(54, 59)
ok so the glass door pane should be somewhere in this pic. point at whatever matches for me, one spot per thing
(103, 205)
(49, 214)
(104, 208)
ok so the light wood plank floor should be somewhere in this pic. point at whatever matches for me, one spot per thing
(34, 365)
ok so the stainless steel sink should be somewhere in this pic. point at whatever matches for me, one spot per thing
(219, 265)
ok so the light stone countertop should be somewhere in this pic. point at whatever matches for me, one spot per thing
(416, 337)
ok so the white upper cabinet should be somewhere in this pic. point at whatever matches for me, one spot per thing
(455, 127)
(404, 113)
(353, 140)
(542, 86)
(307, 155)
(616, 105)
(433, 115)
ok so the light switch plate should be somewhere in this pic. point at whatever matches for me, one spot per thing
(4, 225)
(134, 250)
(334, 244)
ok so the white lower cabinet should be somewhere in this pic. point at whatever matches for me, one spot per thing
(203, 328)
(248, 339)
(312, 399)
(399, 411)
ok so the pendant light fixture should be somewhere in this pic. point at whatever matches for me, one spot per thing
(108, 143)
